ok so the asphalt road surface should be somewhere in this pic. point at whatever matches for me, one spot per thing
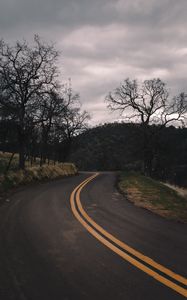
(78, 238)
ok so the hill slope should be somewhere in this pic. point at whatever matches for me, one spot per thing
(119, 146)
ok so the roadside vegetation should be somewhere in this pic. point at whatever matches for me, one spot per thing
(41, 120)
(119, 146)
(15, 176)
(150, 104)
(39, 114)
(155, 196)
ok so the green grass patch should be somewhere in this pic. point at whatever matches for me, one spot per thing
(153, 195)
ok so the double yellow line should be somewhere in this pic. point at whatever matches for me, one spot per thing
(131, 255)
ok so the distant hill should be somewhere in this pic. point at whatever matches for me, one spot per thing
(107, 147)
(118, 146)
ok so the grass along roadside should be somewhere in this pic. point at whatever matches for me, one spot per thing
(153, 195)
(5, 160)
(31, 174)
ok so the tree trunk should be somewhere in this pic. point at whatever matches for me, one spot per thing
(21, 153)
(9, 163)
(31, 160)
(21, 159)
(41, 159)
(147, 150)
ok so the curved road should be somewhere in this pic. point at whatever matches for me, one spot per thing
(80, 239)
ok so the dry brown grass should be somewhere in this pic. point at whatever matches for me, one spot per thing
(36, 173)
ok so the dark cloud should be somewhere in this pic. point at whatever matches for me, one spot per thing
(105, 41)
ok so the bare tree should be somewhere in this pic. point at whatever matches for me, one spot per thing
(26, 74)
(74, 119)
(50, 108)
(61, 119)
(148, 103)
(71, 121)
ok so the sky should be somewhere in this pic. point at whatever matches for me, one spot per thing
(103, 42)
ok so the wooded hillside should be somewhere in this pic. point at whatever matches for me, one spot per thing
(119, 146)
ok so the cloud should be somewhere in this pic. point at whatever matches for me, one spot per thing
(104, 41)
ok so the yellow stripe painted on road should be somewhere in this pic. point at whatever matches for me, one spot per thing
(75, 196)
(125, 246)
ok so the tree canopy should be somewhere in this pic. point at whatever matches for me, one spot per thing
(148, 103)
(38, 108)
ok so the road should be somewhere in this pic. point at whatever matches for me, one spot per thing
(78, 238)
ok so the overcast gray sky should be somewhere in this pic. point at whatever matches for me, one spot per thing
(105, 41)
